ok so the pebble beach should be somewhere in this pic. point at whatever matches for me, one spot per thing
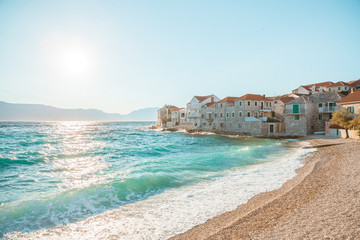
(321, 202)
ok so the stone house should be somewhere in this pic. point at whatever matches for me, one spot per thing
(351, 102)
(355, 84)
(312, 88)
(207, 117)
(175, 117)
(183, 115)
(307, 114)
(339, 87)
(165, 116)
(247, 115)
(194, 108)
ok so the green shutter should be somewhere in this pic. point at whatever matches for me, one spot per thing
(320, 116)
(296, 117)
(295, 108)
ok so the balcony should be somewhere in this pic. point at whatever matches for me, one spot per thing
(329, 109)
(265, 109)
(193, 115)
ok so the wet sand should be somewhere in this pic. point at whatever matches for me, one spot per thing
(321, 202)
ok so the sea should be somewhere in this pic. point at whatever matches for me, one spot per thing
(122, 180)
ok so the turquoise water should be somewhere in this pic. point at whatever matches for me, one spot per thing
(56, 173)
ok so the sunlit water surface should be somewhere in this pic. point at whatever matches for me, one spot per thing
(86, 180)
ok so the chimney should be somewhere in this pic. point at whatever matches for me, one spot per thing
(352, 90)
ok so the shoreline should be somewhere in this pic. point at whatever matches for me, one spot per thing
(289, 211)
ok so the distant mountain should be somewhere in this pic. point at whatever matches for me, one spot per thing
(39, 112)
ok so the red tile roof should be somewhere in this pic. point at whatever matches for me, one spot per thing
(338, 84)
(271, 98)
(321, 84)
(229, 99)
(171, 106)
(286, 99)
(307, 88)
(253, 97)
(354, 83)
(203, 98)
(351, 98)
(210, 104)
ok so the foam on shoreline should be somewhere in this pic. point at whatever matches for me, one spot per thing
(178, 210)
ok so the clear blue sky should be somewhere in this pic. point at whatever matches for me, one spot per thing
(124, 55)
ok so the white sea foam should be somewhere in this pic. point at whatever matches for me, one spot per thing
(177, 210)
(243, 149)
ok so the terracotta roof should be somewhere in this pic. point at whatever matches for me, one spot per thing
(286, 99)
(338, 84)
(351, 98)
(230, 99)
(307, 87)
(253, 97)
(320, 84)
(203, 98)
(171, 106)
(354, 83)
(210, 104)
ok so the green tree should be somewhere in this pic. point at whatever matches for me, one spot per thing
(344, 119)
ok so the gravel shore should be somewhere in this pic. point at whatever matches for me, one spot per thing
(321, 202)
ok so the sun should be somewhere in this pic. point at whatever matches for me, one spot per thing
(75, 61)
(68, 57)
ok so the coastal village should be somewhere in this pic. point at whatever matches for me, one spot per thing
(305, 111)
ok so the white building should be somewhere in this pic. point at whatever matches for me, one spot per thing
(194, 108)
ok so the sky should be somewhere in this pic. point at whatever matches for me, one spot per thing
(120, 56)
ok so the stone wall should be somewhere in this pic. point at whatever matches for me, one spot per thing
(296, 127)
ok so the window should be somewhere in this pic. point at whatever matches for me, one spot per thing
(204, 124)
(320, 105)
(233, 114)
(320, 116)
(339, 88)
(256, 104)
(248, 114)
(215, 115)
(202, 115)
(329, 89)
(350, 109)
(220, 104)
(239, 125)
(240, 114)
(221, 115)
(240, 103)
(296, 117)
(269, 104)
(295, 108)
(248, 103)
(227, 114)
